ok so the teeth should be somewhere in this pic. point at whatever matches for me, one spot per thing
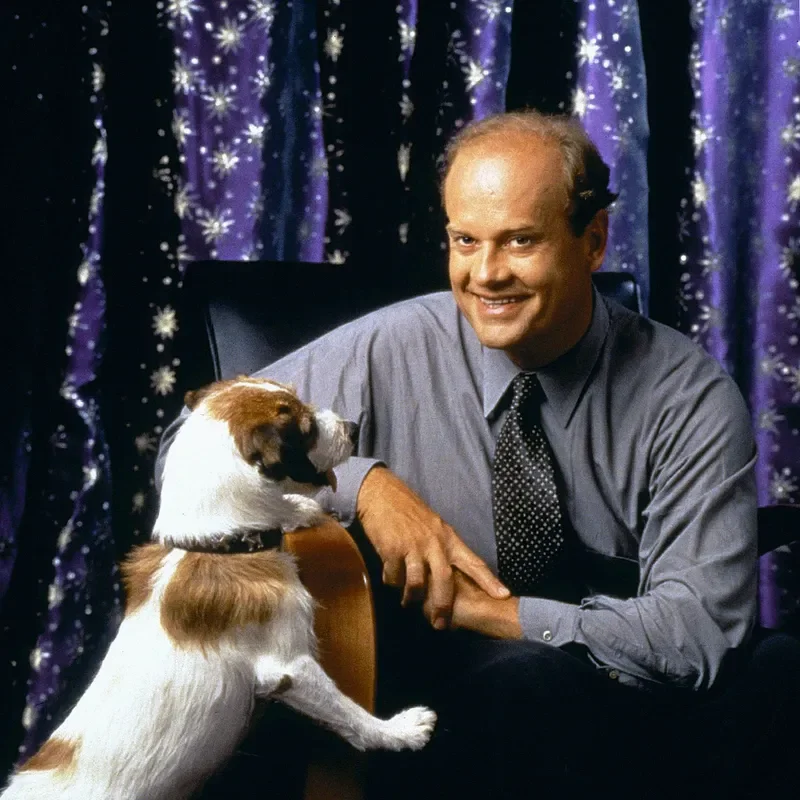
(504, 302)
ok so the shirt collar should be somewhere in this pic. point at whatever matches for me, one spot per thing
(562, 381)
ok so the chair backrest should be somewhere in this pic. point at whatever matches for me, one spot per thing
(239, 316)
(242, 315)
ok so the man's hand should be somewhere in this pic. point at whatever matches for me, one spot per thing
(418, 549)
(475, 610)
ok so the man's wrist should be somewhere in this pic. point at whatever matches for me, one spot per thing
(503, 619)
(343, 503)
(371, 482)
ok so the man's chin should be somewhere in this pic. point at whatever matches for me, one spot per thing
(495, 339)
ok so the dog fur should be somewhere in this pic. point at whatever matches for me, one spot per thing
(205, 633)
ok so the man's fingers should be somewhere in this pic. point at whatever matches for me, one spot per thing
(441, 590)
(394, 572)
(481, 574)
(414, 588)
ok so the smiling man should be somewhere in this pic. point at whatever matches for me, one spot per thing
(522, 427)
(520, 272)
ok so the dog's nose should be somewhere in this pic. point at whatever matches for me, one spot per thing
(352, 433)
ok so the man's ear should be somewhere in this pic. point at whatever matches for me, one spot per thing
(596, 236)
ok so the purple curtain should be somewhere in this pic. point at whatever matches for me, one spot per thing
(739, 227)
(59, 583)
(256, 129)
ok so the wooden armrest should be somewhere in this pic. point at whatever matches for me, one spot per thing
(333, 570)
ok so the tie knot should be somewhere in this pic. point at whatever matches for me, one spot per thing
(525, 387)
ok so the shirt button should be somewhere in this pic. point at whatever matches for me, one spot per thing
(613, 674)
(547, 636)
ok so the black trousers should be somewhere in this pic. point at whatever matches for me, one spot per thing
(524, 719)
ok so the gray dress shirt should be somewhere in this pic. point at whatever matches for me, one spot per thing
(652, 440)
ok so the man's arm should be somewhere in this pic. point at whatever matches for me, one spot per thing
(420, 552)
(417, 548)
(697, 558)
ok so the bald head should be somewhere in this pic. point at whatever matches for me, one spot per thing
(584, 174)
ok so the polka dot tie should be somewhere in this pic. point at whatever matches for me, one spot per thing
(527, 516)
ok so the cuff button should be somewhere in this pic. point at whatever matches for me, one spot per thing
(547, 636)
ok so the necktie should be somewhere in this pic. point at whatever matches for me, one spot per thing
(527, 517)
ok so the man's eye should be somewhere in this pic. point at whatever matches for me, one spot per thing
(521, 241)
(465, 241)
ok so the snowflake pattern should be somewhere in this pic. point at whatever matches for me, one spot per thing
(334, 45)
(589, 51)
(185, 77)
(214, 225)
(146, 443)
(609, 97)
(165, 322)
(783, 486)
(182, 11)
(408, 36)
(490, 9)
(263, 12)
(474, 73)
(793, 192)
(255, 132)
(181, 128)
(261, 80)
(163, 380)
(406, 106)
(224, 160)
(220, 101)
(229, 36)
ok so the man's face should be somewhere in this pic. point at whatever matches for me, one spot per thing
(519, 274)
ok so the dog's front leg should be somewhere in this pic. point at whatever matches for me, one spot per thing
(300, 512)
(271, 678)
(313, 693)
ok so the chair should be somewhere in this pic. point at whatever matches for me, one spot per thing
(241, 316)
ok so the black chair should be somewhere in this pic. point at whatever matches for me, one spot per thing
(241, 316)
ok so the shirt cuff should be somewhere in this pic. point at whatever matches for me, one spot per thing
(349, 477)
(549, 621)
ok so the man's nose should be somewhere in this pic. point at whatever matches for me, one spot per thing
(489, 267)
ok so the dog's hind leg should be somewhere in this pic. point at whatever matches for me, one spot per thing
(313, 693)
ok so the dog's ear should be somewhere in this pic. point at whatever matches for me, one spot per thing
(260, 445)
(195, 396)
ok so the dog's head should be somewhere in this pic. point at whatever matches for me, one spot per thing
(285, 439)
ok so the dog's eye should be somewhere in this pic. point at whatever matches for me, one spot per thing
(284, 410)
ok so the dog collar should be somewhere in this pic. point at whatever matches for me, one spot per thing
(242, 542)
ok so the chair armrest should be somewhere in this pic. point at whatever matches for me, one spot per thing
(333, 570)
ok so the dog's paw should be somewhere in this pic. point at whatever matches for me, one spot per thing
(305, 512)
(410, 729)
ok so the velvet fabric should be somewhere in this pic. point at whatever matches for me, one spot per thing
(146, 135)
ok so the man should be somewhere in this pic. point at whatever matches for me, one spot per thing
(643, 593)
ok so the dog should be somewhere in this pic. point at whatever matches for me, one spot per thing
(215, 614)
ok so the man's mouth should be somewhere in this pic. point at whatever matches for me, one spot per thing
(498, 302)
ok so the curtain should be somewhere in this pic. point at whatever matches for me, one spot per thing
(307, 131)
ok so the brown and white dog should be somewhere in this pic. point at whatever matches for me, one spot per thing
(206, 632)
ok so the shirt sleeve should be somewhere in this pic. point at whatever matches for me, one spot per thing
(697, 554)
(330, 372)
